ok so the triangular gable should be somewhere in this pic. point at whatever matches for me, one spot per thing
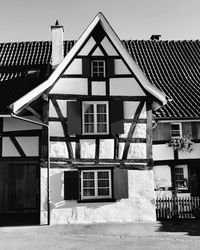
(141, 78)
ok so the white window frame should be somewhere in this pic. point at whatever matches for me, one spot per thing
(95, 118)
(180, 129)
(98, 72)
(185, 175)
(96, 196)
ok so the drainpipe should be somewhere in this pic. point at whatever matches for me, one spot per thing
(48, 158)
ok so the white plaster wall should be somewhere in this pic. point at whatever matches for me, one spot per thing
(195, 153)
(56, 129)
(136, 150)
(74, 86)
(87, 48)
(63, 107)
(98, 52)
(30, 145)
(140, 131)
(125, 87)
(74, 68)
(108, 47)
(120, 67)
(162, 176)
(59, 149)
(106, 149)
(87, 148)
(130, 108)
(11, 124)
(140, 206)
(43, 196)
(98, 88)
(52, 111)
(162, 152)
(8, 148)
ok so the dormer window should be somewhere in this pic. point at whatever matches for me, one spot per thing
(176, 130)
(98, 68)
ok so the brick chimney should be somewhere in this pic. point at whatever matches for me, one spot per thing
(57, 44)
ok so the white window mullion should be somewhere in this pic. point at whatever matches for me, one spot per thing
(95, 118)
(96, 184)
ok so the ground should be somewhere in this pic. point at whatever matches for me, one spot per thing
(152, 236)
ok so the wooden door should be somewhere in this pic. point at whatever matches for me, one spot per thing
(19, 193)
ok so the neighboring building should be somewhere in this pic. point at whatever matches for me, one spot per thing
(98, 106)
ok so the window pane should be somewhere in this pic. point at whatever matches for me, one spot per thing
(89, 183)
(89, 118)
(89, 128)
(103, 191)
(175, 127)
(101, 108)
(101, 128)
(103, 175)
(103, 183)
(88, 192)
(88, 175)
(88, 108)
(101, 118)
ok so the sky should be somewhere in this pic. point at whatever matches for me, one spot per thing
(30, 20)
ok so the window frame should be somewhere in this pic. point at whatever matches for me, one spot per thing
(180, 130)
(98, 72)
(185, 177)
(95, 103)
(96, 196)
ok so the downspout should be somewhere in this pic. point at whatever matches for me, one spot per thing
(48, 159)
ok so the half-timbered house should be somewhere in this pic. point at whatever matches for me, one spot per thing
(78, 139)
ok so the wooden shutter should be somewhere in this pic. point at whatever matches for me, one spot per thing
(162, 132)
(86, 67)
(187, 129)
(120, 179)
(110, 67)
(74, 118)
(116, 117)
(195, 130)
(71, 185)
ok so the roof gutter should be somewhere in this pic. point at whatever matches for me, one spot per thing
(48, 158)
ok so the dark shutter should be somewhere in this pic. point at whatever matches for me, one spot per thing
(116, 117)
(162, 132)
(187, 129)
(71, 185)
(74, 118)
(195, 130)
(120, 179)
(110, 67)
(86, 67)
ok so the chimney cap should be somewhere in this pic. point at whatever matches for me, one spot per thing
(57, 25)
(155, 37)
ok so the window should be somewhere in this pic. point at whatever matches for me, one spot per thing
(95, 117)
(176, 130)
(98, 68)
(95, 184)
(181, 177)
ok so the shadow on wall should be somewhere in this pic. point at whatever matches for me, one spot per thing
(191, 227)
(57, 195)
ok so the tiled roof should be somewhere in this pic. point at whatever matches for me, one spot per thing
(172, 66)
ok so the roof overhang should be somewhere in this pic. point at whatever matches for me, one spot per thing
(24, 101)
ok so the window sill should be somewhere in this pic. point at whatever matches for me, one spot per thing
(96, 200)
